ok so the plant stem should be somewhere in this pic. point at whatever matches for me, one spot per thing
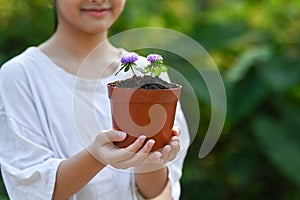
(132, 70)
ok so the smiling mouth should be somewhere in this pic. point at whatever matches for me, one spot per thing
(96, 12)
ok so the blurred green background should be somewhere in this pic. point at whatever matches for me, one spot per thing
(256, 46)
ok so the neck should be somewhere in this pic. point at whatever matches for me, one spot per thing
(70, 42)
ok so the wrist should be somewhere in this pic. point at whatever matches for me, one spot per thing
(94, 159)
(150, 184)
(148, 168)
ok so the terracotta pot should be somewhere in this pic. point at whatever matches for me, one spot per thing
(144, 112)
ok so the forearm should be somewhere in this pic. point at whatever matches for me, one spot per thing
(150, 184)
(74, 173)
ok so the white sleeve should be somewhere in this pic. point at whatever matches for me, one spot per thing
(28, 164)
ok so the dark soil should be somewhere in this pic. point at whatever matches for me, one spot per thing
(144, 82)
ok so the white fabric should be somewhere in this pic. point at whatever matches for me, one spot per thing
(48, 115)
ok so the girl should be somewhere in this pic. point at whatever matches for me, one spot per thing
(43, 151)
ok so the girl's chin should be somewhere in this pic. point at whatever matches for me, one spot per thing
(96, 29)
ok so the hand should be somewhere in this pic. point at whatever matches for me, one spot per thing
(104, 150)
(157, 160)
(170, 151)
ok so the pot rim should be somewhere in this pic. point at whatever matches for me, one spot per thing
(139, 95)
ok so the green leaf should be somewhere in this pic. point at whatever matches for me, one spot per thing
(148, 69)
(120, 70)
(127, 68)
(244, 98)
(245, 61)
(279, 145)
(294, 93)
(280, 74)
(157, 71)
(163, 69)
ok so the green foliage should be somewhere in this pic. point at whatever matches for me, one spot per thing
(256, 45)
(156, 68)
(23, 23)
(3, 194)
(126, 68)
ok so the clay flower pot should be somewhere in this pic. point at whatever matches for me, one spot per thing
(148, 112)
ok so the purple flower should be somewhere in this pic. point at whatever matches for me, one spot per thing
(154, 58)
(129, 58)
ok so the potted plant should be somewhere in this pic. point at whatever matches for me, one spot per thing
(144, 105)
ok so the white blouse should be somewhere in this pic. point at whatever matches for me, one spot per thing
(48, 115)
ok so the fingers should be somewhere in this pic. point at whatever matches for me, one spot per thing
(129, 151)
(136, 158)
(175, 139)
(142, 154)
(134, 147)
(175, 146)
(170, 151)
(109, 136)
(165, 152)
(137, 154)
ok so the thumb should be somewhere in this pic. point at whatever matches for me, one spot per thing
(112, 136)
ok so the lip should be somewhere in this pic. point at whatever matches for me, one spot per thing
(96, 12)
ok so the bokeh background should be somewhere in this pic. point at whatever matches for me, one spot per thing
(256, 46)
